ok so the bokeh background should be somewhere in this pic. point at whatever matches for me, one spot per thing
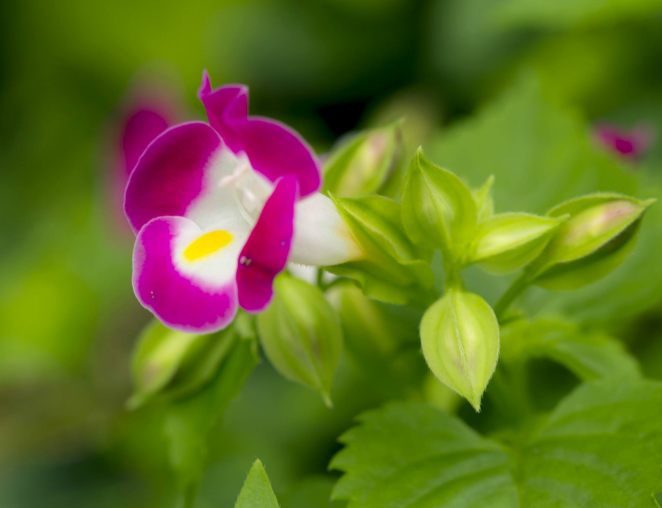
(513, 88)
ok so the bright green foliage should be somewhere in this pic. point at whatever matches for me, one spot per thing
(408, 453)
(597, 237)
(484, 199)
(438, 210)
(588, 354)
(175, 364)
(460, 338)
(539, 154)
(257, 491)
(300, 333)
(189, 422)
(542, 155)
(394, 270)
(508, 241)
(600, 447)
(364, 163)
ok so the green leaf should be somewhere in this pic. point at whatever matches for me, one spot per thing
(600, 447)
(257, 491)
(508, 241)
(588, 354)
(460, 338)
(438, 210)
(189, 421)
(301, 335)
(540, 154)
(407, 455)
(364, 163)
(394, 270)
(484, 199)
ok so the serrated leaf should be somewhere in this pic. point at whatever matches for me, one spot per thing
(394, 270)
(257, 491)
(438, 210)
(409, 453)
(588, 354)
(600, 447)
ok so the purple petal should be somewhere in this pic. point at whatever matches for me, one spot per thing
(178, 301)
(629, 144)
(224, 106)
(141, 127)
(265, 253)
(170, 175)
(273, 149)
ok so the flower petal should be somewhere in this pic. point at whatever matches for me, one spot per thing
(179, 175)
(321, 237)
(266, 251)
(185, 276)
(273, 149)
(140, 128)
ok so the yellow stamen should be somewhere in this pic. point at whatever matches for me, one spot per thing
(207, 244)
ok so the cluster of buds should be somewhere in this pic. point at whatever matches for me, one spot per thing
(221, 210)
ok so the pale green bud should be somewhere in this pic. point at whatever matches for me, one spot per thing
(174, 364)
(393, 270)
(508, 241)
(364, 164)
(438, 210)
(301, 335)
(484, 200)
(598, 236)
(460, 338)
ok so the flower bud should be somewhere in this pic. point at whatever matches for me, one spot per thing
(597, 237)
(484, 200)
(508, 241)
(364, 163)
(300, 333)
(175, 364)
(392, 270)
(460, 338)
(438, 210)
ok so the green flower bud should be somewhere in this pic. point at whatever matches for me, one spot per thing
(300, 333)
(175, 364)
(508, 241)
(364, 164)
(438, 210)
(394, 270)
(598, 236)
(484, 200)
(460, 338)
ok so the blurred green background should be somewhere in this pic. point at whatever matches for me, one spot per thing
(505, 87)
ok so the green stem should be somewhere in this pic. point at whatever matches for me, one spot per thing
(320, 279)
(512, 293)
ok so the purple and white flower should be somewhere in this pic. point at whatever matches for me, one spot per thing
(219, 209)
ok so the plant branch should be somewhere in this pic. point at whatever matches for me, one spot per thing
(512, 293)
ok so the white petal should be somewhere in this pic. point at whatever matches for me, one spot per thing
(321, 238)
